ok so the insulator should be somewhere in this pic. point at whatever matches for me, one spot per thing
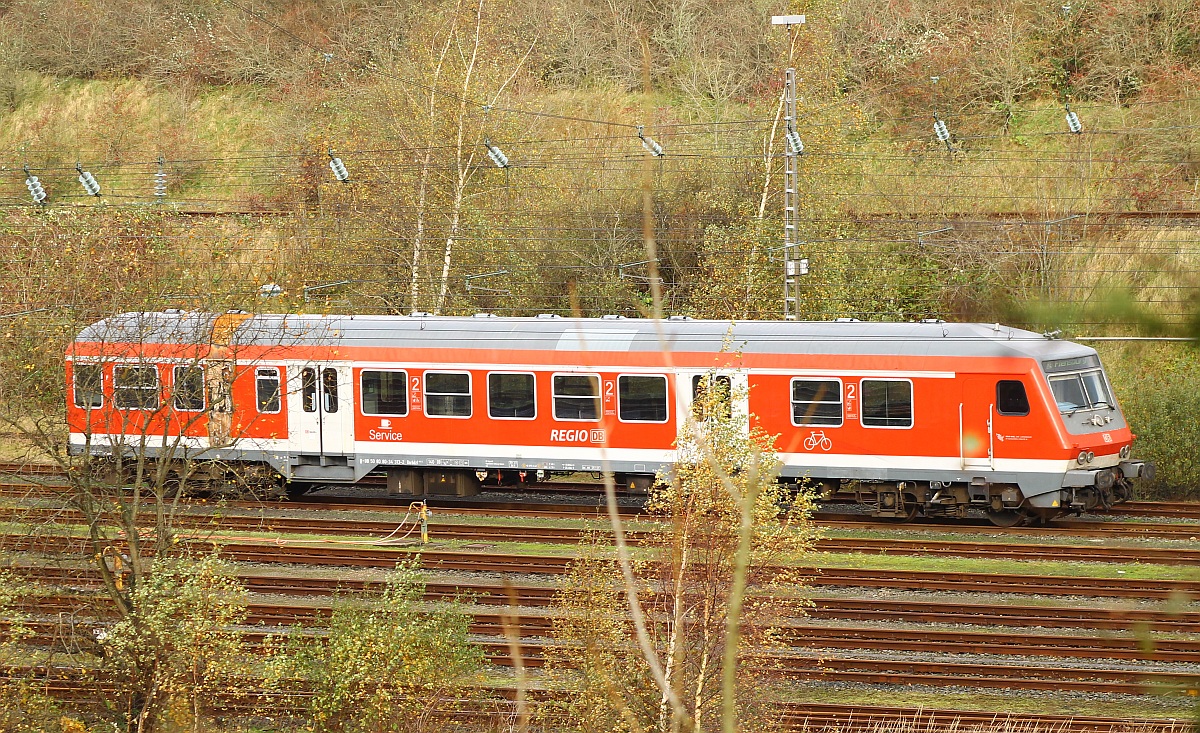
(794, 142)
(339, 169)
(498, 157)
(939, 129)
(648, 143)
(160, 185)
(88, 181)
(35, 189)
(1073, 123)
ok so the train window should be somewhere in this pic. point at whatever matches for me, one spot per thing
(642, 399)
(1097, 389)
(817, 402)
(135, 387)
(576, 397)
(887, 403)
(88, 392)
(723, 389)
(384, 393)
(510, 396)
(189, 388)
(1082, 391)
(329, 390)
(1011, 398)
(266, 389)
(308, 389)
(448, 394)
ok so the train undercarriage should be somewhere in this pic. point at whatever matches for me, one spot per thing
(1004, 504)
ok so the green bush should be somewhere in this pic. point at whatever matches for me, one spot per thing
(1156, 386)
(386, 664)
(178, 648)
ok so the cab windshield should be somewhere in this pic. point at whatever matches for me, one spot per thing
(1080, 391)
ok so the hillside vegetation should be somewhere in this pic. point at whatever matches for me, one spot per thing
(1014, 219)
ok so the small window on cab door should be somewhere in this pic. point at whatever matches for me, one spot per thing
(1011, 398)
(308, 389)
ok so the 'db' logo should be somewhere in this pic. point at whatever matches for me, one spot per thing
(385, 423)
(597, 436)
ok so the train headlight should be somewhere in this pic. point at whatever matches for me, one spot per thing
(1125, 451)
(1090, 456)
(1083, 457)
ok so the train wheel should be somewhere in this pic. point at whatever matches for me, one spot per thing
(1007, 517)
(908, 508)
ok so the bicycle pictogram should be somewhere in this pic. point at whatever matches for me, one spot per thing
(817, 438)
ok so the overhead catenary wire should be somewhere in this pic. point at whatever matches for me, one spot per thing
(251, 173)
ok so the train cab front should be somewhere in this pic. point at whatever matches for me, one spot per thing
(1101, 470)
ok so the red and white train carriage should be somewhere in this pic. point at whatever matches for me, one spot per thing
(931, 417)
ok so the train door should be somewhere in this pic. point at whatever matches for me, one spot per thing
(321, 400)
(977, 415)
(703, 395)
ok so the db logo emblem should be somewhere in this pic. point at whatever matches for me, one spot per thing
(577, 436)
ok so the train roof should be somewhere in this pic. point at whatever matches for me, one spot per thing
(580, 334)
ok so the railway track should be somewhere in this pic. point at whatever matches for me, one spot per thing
(821, 662)
(828, 608)
(374, 557)
(794, 664)
(862, 718)
(829, 520)
(79, 686)
(1175, 510)
(50, 612)
(385, 531)
(1172, 509)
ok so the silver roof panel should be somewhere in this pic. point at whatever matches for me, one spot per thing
(591, 334)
